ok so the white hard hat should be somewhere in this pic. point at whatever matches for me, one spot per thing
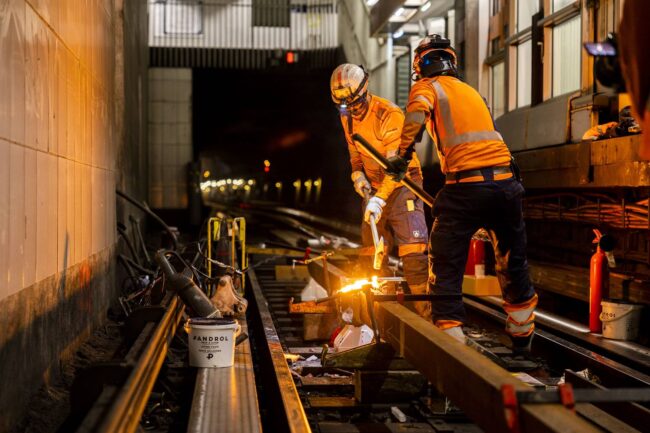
(348, 83)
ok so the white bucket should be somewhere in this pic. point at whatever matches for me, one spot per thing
(620, 320)
(353, 336)
(212, 341)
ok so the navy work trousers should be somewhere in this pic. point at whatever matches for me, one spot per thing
(459, 211)
(402, 224)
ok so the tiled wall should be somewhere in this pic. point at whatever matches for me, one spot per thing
(73, 84)
(57, 145)
(170, 136)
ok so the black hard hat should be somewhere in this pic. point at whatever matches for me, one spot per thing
(434, 56)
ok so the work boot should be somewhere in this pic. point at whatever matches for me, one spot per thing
(456, 332)
(521, 345)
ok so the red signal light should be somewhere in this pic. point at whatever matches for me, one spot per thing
(291, 57)
(267, 169)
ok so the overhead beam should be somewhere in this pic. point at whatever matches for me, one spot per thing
(466, 377)
(381, 13)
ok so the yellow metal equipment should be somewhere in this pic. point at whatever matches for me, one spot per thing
(237, 233)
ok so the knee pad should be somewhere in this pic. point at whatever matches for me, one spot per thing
(521, 317)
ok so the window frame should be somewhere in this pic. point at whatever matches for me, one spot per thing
(502, 61)
(511, 46)
(548, 23)
(553, 59)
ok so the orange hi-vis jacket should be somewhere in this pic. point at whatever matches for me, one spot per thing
(381, 126)
(459, 122)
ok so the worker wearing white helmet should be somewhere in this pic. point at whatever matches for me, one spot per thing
(398, 212)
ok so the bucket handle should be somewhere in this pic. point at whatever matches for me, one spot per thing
(240, 336)
(603, 319)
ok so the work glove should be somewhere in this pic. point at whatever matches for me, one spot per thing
(361, 184)
(397, 167)
(374, 208)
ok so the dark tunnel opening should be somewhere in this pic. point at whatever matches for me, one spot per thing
(242, 118)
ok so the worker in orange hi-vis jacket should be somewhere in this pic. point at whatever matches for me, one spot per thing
(398, 212)
(634, 35)
(482, 190)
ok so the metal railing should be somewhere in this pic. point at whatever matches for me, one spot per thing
(297, 25)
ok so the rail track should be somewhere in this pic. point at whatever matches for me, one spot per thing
(561, 349)
(417, 380)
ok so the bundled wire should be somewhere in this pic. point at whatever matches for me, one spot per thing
(597, 209)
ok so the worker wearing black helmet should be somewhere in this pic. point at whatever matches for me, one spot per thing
(482, 190)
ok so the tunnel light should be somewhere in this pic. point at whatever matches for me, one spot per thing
(398, 34)
(371, 3)
(425, 7)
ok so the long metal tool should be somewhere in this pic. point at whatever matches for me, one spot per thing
(380, 247)
(383, 162)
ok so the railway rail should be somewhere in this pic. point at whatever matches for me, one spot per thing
(416, 380)
(459, 369)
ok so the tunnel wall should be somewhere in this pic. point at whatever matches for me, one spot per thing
(62, 152)
(170, 136)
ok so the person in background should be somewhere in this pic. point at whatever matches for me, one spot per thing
(634, 35)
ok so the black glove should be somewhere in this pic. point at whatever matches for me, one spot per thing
(397, 167)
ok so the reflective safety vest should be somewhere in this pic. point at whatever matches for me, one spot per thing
(461, 124)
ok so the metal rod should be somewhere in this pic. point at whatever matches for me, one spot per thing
(373, 229)
(383, 162)
(609, 395)
(125, 413)
(122, 231)
(145, 208)
(136, 226)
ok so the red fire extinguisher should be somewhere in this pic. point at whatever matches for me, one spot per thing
(601, 261)
(475, 264)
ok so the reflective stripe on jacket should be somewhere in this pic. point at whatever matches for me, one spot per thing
(381, 126)
(461, 124)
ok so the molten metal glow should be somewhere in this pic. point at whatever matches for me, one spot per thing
(359, 285)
